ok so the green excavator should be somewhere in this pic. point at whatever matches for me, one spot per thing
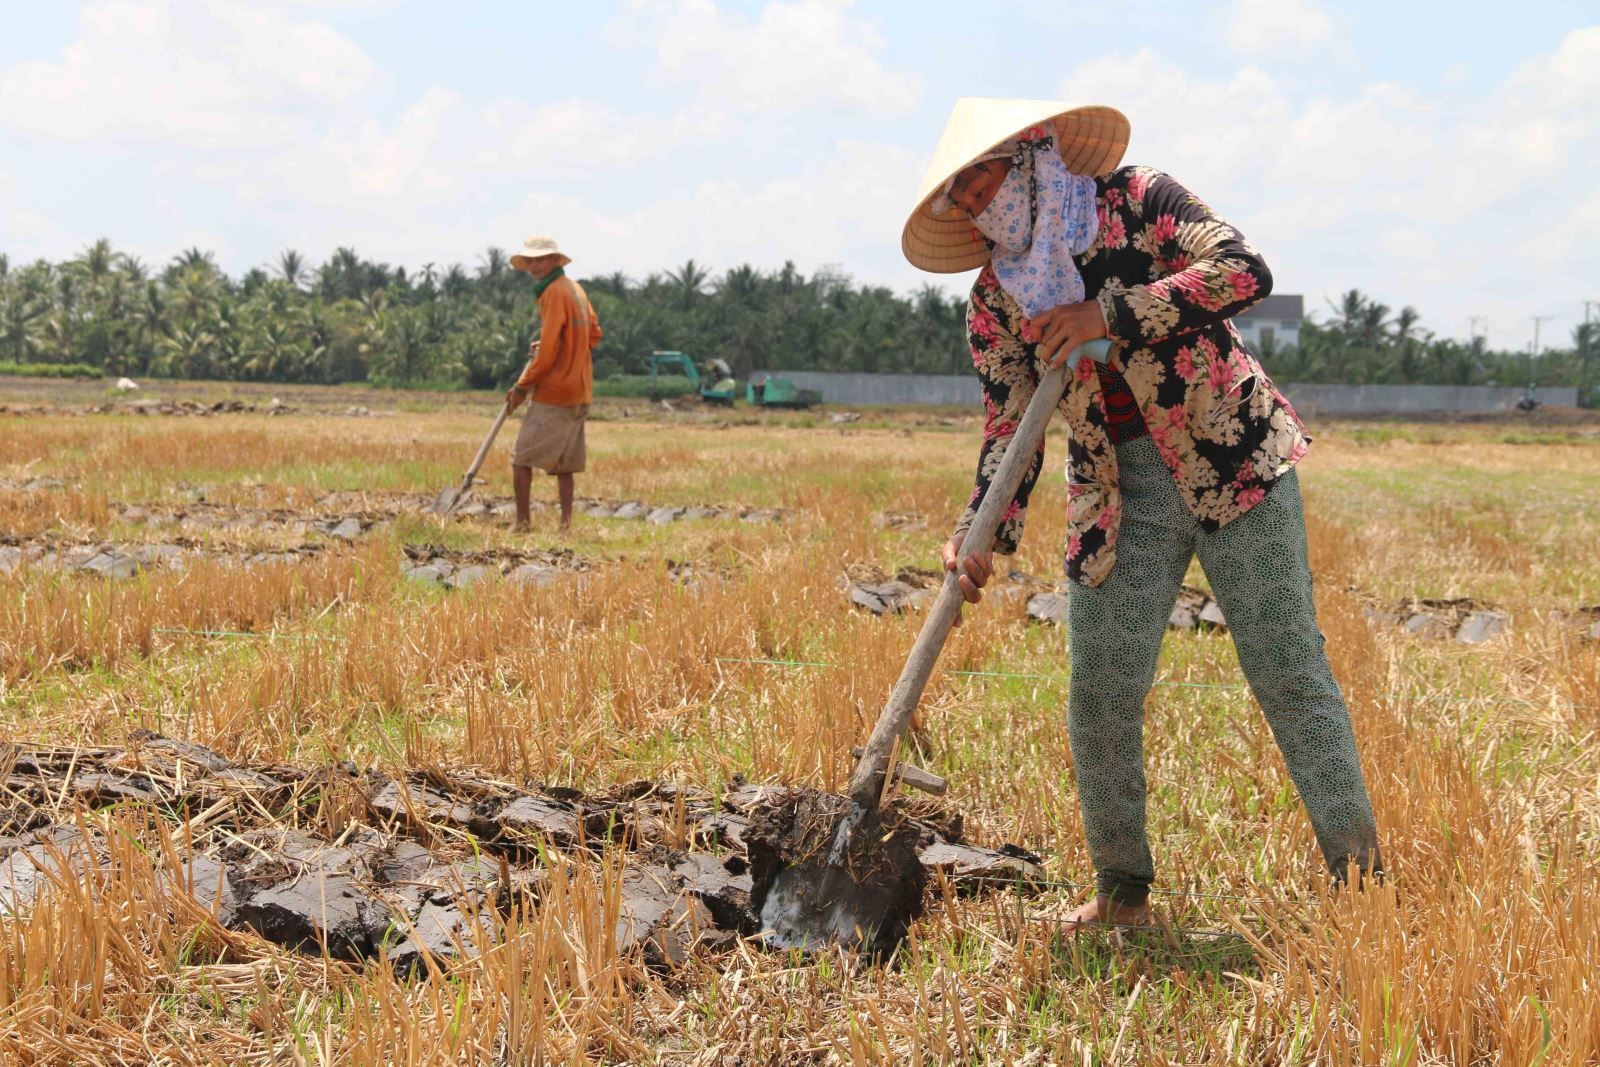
(716, 385)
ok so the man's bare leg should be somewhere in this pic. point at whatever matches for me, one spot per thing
(522, 486)
(1100, 910)
(564, 485)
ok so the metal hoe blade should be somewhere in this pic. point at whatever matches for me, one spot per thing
(449, 499)
(852, 892)
(805, 907)
(840, 874)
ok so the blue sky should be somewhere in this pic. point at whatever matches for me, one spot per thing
(1425, 156)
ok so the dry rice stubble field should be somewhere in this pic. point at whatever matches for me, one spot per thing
(1482, 758)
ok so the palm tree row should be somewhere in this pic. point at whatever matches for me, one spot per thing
(1363, 342)
(352, 319)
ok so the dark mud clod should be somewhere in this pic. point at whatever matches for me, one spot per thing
(419, 867)
(806, 896)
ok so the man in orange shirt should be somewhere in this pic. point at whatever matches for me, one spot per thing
(559, 379)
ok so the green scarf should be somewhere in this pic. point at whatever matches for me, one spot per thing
(541, 284)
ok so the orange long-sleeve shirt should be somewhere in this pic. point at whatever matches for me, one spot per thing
(561, 372)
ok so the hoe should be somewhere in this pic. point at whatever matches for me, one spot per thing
(451, 497)
(838, 884)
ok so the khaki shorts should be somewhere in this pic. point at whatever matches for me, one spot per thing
(552, 438)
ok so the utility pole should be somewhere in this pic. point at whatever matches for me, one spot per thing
(1533, 353)
(1537, 320)
(1473, 327)
(1586, 342)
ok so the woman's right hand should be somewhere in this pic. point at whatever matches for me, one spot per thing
(974, 572)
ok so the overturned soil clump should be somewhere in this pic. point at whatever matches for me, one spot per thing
(1461, 619)
(864, 896)
(416, 867)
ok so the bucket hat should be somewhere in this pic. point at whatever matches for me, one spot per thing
(1091, 139)
(535, 247)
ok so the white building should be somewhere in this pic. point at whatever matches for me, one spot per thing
(1276, 320)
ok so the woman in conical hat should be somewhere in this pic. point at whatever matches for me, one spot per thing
(1180, 446)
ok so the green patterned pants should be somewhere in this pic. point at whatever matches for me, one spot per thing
(1258, 571)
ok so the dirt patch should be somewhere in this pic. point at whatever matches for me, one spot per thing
(358, 864)
(105, 559)
(184, 408)
(903, 521)
(346, 515)
(661, 515)
(1551, 415)
(424, 563)
(295, 526)
(872, 589)
(434, 565)
(1585, 621)
(1461, 619)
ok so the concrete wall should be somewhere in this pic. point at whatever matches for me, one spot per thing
(1309, 400)
(886, 388)
(1313, 400)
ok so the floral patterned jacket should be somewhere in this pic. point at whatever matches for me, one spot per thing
(1168, 275)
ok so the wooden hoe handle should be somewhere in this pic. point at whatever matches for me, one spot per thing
(866, 783)
(483, 450)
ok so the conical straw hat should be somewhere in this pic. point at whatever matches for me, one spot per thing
(1091, 140)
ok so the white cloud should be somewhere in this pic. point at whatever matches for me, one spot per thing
(1458, 205)
(1216, 128)
(379, 162)
(847, 201)
(1277, 25)
(576, 136)
(247, 126)
(1569, 76)
(30, 230)
(796, 55)
(206, 73)
(726, 221)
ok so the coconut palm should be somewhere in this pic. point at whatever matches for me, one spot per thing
(193, 259)
(186, 352)
(21, 318)
(97, 260)
(292, 267)
(690, 280)
(493, 263)
(348, 274)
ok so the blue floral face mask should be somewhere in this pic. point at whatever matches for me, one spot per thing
(1041, 216)
(1008, 220)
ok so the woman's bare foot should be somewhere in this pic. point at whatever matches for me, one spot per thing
(1101, 911)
